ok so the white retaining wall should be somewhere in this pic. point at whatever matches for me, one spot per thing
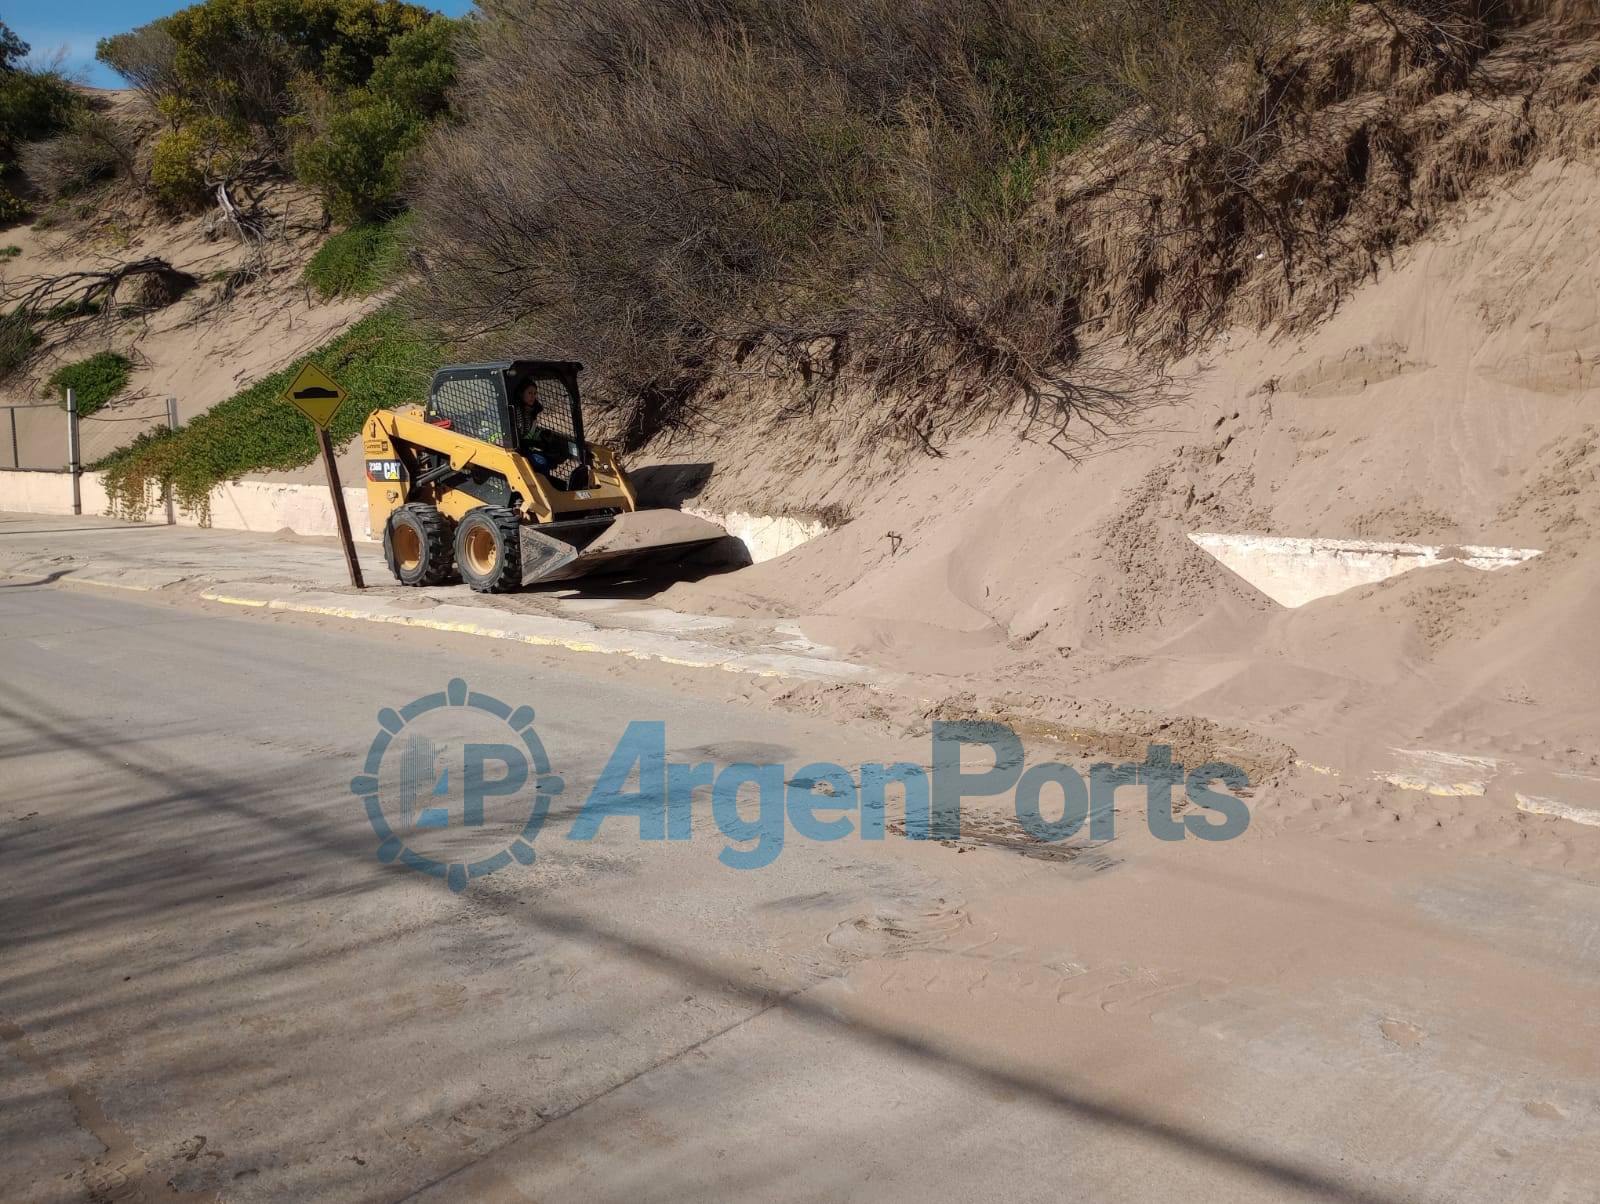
(39, 492)
(1293, 572)
(236, 506)
(265, 506)
(767, 536)
(304, 509)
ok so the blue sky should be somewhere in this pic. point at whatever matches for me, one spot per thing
(77, 25)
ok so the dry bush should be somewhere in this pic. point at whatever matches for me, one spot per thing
(876, 189)
(153, 281)
(162, 287)
(93, 148)
(1351, 141)
(638, 184)
(147, 57)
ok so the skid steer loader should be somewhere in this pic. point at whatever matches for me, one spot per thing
(491, 479)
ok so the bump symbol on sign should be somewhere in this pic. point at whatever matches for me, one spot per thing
(316, 394)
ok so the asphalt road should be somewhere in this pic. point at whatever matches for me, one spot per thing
(210, 986)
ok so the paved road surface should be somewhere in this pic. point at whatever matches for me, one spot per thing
(211, 988)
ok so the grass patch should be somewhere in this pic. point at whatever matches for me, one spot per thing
(382, 361)
(10, 252)
(94, 381)
(359, 261)
(83, 308)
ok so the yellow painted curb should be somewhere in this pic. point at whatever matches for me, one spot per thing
(231, 601)
(730, 664)
(1535, 805)
(1440, 789)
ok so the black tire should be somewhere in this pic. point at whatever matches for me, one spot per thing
(417, 544)
(489, 549)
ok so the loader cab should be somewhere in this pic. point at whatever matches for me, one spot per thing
(486, 401)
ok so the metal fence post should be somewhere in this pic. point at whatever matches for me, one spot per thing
(16, 456)
(72, 451)
(172, 425)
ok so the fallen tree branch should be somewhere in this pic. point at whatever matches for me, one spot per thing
(81, 293)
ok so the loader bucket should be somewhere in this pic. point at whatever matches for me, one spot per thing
(628, 543)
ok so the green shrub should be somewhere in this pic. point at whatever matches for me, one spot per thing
(240, 59)
(94, 381)
(18, 338)
(419, 68)
(381, 360)
(12, 48)
(343, 89)
(359, 261)
(175, 169)
(34, 105)
(10, 252)
(354, 147)
(12, 208)
(184, 159)
(358, 160)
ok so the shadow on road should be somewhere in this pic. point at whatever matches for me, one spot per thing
(49, 580)
(112, 874)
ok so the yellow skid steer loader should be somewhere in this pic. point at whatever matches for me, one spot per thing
(492, 479)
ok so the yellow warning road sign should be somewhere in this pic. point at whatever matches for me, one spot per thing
(316, 394)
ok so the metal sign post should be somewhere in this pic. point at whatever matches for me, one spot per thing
(340, 516)
(318, 396)
(172, 425)
(73, 466)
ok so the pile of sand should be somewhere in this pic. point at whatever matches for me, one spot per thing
(1454, 399)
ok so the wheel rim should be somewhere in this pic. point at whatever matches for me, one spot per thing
(482, 554)
(407, 547)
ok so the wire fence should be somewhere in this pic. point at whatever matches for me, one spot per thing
(101, 434)
(51, 437)
(43, 437)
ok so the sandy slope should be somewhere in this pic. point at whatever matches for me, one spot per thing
(1453, 399)
(202, 349)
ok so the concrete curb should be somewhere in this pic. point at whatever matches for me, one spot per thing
(1461, 775)
(1534, 805)
(544, 631)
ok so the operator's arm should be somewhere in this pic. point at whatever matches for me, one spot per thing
(541, 447)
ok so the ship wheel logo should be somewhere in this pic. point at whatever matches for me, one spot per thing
(456, 785)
